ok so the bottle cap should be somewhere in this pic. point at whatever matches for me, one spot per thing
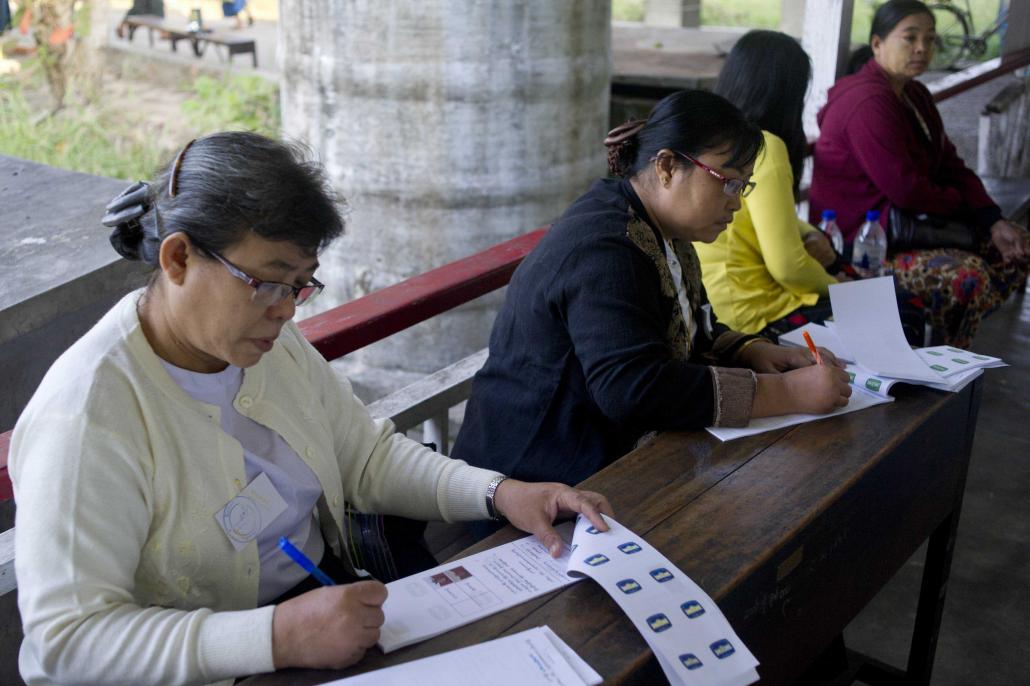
(829, 214)
(872, 216)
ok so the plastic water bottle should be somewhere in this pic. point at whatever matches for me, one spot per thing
(869, 251)
(829, 227)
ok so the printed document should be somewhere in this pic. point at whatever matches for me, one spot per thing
(457, 593)
(529, 658)
(691, 639)
(688, 634)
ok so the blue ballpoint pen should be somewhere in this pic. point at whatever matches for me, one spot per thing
(305, 562)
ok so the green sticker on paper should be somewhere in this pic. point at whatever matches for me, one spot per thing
(873, 384)
(980, 357)
(935, 353)
(851, 377)
(959, 360)
(938, 368)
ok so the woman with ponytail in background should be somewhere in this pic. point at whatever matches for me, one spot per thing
(606, 333)
(770, 271)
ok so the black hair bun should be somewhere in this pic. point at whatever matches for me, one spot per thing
(623, 144)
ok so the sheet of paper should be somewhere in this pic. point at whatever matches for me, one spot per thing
(689, 635)
(822, 336)
(529, 658)
(866, 319)
(857, 401)
(457, 593)
(247, 515)
(948, 361)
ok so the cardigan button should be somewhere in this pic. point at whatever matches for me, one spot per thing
(309, 451)
(246, 402)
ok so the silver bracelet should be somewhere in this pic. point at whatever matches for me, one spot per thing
(491, 491)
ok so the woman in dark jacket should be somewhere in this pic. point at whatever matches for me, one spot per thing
(606, 333)
(882, 144)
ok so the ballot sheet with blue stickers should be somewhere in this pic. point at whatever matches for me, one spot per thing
(691, 639)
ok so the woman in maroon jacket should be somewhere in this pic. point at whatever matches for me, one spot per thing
(881, 144)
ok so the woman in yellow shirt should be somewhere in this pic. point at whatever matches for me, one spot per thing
(769, 264)
(770, 271)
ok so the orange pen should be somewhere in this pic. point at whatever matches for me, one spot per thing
(811, 346)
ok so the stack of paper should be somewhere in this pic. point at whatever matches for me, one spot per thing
(957, 368)
(865, 315)
(528, 658)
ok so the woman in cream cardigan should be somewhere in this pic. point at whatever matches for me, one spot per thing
(168, 450)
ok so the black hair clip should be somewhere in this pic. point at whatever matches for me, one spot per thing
(128, 206)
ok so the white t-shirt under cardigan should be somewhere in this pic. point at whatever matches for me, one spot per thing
(265, 452)
(124, 574)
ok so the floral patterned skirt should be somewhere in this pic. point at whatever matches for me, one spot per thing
(959, 288)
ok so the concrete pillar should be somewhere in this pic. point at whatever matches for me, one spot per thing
(673, 13)
(792, 17)
(826, 37)
(448, 127)
(1017, 36)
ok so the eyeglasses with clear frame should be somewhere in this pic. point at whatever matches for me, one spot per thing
(269, 293)
(730, 187)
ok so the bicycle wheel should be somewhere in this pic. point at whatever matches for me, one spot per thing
(952, 34)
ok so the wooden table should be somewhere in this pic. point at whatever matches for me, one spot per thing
(199, 41)
(793, 532)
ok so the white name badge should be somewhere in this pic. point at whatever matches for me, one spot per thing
(247, 515)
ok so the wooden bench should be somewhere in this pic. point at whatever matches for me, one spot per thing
(199, 41)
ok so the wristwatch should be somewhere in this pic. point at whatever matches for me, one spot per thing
(491, 491)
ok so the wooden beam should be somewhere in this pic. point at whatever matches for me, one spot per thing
(826, 37)
(952, 85)
(792, 17)
(7, 580)
(1017, 35)
(430, 396)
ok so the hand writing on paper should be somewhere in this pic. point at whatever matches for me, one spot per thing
(769, 358)
(817, 389)
(329, 627)
(534, 507)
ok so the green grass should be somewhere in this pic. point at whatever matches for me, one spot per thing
(236, 102)
(79, 138)
(107, 140)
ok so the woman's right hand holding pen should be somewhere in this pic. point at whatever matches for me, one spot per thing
(328, 627)
(816, 389)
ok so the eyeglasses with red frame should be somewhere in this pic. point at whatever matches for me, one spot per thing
(730, 187)
(269, 293)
